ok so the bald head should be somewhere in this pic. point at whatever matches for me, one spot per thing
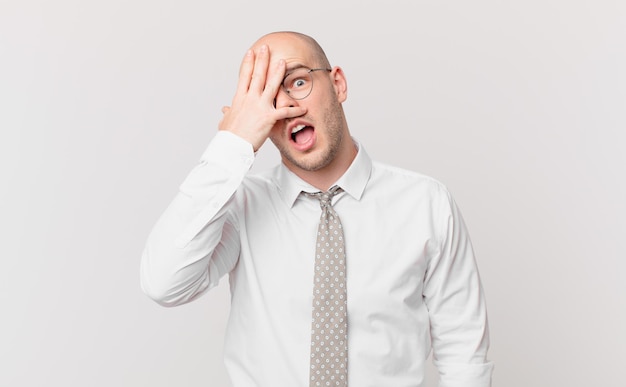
(315, 50)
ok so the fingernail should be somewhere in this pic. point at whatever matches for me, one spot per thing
(263, 48)
(249, 53)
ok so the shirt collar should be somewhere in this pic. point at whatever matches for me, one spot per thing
(353, 181)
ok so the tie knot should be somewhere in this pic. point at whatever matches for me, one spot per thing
(325, 197)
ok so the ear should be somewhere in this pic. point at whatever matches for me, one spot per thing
(340, 83)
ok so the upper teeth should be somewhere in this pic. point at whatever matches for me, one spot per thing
(297, 129)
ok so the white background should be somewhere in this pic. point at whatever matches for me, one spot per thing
(518, 106)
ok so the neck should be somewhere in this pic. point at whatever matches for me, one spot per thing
(323, 178)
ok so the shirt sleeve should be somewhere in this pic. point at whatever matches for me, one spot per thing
(456, 305)
(196, 241)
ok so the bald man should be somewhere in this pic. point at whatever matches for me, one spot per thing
(394, 279)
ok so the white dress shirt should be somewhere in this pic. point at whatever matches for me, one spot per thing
(411, 275)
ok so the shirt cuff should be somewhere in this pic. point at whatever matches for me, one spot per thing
(227, 150)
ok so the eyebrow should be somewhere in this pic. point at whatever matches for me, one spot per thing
(295, 66)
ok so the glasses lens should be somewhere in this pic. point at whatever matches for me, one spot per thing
(298, 84)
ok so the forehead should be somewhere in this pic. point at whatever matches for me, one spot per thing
(293, 50)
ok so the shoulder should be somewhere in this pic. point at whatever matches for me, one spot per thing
(408, 189)
(388, 174)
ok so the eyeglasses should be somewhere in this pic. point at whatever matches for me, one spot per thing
(299, 83)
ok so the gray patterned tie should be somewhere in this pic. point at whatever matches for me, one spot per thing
(329, 330)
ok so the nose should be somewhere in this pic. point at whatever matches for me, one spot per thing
(284, 100)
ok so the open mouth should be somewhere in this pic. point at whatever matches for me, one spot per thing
(301, 134)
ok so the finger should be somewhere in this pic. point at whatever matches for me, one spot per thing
(289, 112)
(225, 109)
(274, 81)
(260, 69)
(245, 72)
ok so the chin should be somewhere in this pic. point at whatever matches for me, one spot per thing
(310, 162)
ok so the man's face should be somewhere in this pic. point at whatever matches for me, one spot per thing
(310, 142)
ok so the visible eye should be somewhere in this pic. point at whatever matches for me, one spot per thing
(298, 83)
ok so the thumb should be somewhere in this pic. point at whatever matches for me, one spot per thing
(290, 112)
